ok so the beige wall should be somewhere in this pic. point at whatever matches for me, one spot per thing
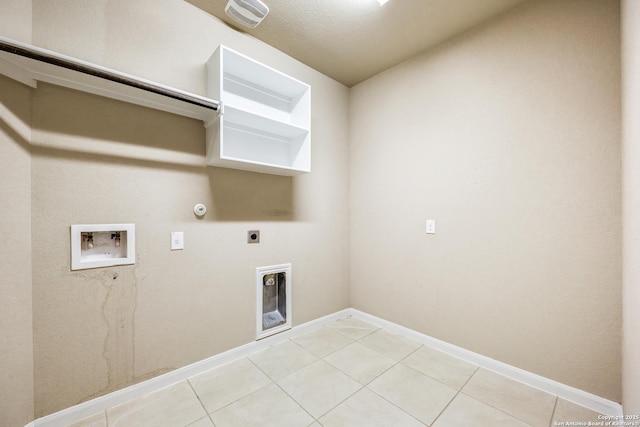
(631, 206)
(100, 161)
(16, 327)
(15, 19)
(508, 136)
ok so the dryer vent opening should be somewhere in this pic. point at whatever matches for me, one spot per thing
(274, 299)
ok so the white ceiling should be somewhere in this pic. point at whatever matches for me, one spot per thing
(352, 40)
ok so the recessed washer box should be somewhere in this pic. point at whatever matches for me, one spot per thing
(102, 245)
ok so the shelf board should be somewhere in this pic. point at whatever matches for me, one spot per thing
(256, 147)
(262, 124)
(31, 64)
(241, 68)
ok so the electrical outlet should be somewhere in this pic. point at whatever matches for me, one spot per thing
(177, 240)
(253, 236)
(431, 226)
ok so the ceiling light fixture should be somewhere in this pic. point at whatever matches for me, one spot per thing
(247, 12)
(382, 2)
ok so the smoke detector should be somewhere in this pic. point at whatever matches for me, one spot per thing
(247, 12)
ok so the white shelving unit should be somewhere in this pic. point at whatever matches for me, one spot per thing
(266, 117)
(257, 118)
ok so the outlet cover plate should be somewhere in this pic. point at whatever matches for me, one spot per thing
(177, 240)
(431, 226)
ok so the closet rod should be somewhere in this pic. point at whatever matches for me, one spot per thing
(73, 64)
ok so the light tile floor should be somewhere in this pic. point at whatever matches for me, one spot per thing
(347, 373)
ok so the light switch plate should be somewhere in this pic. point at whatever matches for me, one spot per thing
(177, 240)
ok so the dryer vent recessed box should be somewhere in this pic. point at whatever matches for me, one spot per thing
(102, 245)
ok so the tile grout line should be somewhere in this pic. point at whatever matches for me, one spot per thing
(503, 411)
(322, 358)
(393, 404)
(436, 379)
(240, 398)
(456, 395)
(342, 401)
(280, 387)
(553, 413)
(261, 370)
(355, 379)
(366, 386)
(332, 330)
(354, 339)
(201, 404)
(400, 362)
(396, 363)
(336, 405)
(243, 397)
(273, 381)
(301, 346)
(318, 359)
(298, 403)
(497, 409)
(291, 373)
(384, 398)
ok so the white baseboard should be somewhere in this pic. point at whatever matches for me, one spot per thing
(86, 409)
(572, 394)
(102, 403)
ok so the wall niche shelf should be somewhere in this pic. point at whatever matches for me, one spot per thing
(265, 121)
